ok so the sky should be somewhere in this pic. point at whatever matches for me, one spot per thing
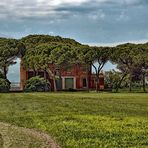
(93, 22)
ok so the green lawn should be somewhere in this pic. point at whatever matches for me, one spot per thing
(81, 120)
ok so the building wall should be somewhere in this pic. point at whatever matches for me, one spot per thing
(77, 72)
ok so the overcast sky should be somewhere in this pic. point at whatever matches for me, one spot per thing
(95, 22)
(87, 21)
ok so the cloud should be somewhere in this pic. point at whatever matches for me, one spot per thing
(61, 2)
(3, 35)
(97, 15)
(84, 20)
(33, 8)
(23, 9)
(123, 16)
(94, 22)
(113, 44)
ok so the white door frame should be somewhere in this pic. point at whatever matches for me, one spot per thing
(63, 81)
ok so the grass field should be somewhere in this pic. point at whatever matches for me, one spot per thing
(81, 120)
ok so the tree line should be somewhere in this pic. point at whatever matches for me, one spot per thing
(38, 51)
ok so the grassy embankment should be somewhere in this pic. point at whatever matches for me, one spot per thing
(81, 119)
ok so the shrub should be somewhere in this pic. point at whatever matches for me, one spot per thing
(4, 85)
(37, 84)
(1, 75)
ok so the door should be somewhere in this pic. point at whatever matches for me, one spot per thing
(69, 83)
(84, 82)
(59, 84)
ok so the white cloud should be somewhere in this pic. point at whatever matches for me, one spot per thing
(33, 8)
(131, 1)
(60, 2)
(118, 43)
(97, 15)
(123, 16)
(44, 8)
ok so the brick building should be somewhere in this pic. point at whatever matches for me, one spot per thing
(73, 77)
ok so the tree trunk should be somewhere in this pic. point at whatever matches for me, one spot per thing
(143, 82)
(87, 79)
(37, 73)
(34, 73)
(60, 77)
(130, 84)
(97, 80)
(53, 77)
(5, 72)
(87, 83)
(119, 84)
(117, 89)
(54, 83)
(45, 74)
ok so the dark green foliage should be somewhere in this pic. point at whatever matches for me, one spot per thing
(22, 49)
(100, 56)
(111, 79)
(1, 75)
(8, 52)
(39, 58)
(131, 60)
(4, 85)
(37, 84)
(35, 40)
(62, 54)
(38, 51)
(115, 80)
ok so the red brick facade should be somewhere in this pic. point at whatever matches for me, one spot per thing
(75, 77)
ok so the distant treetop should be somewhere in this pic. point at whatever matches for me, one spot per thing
(35, 40)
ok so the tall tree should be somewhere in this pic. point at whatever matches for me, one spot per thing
(141, 59)
(114, 79)
(38, 58)
(123, 73)
(123, 56)
(99, 57)
(8, 52)
(63, 57)
(83, 57)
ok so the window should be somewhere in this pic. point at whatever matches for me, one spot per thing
(84, 82)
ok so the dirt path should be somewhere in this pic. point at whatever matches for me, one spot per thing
(18, 137)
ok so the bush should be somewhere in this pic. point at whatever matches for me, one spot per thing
(1, 75)
(4, 85)
(37, 84)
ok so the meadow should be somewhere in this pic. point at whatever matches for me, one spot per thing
(81, 120)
